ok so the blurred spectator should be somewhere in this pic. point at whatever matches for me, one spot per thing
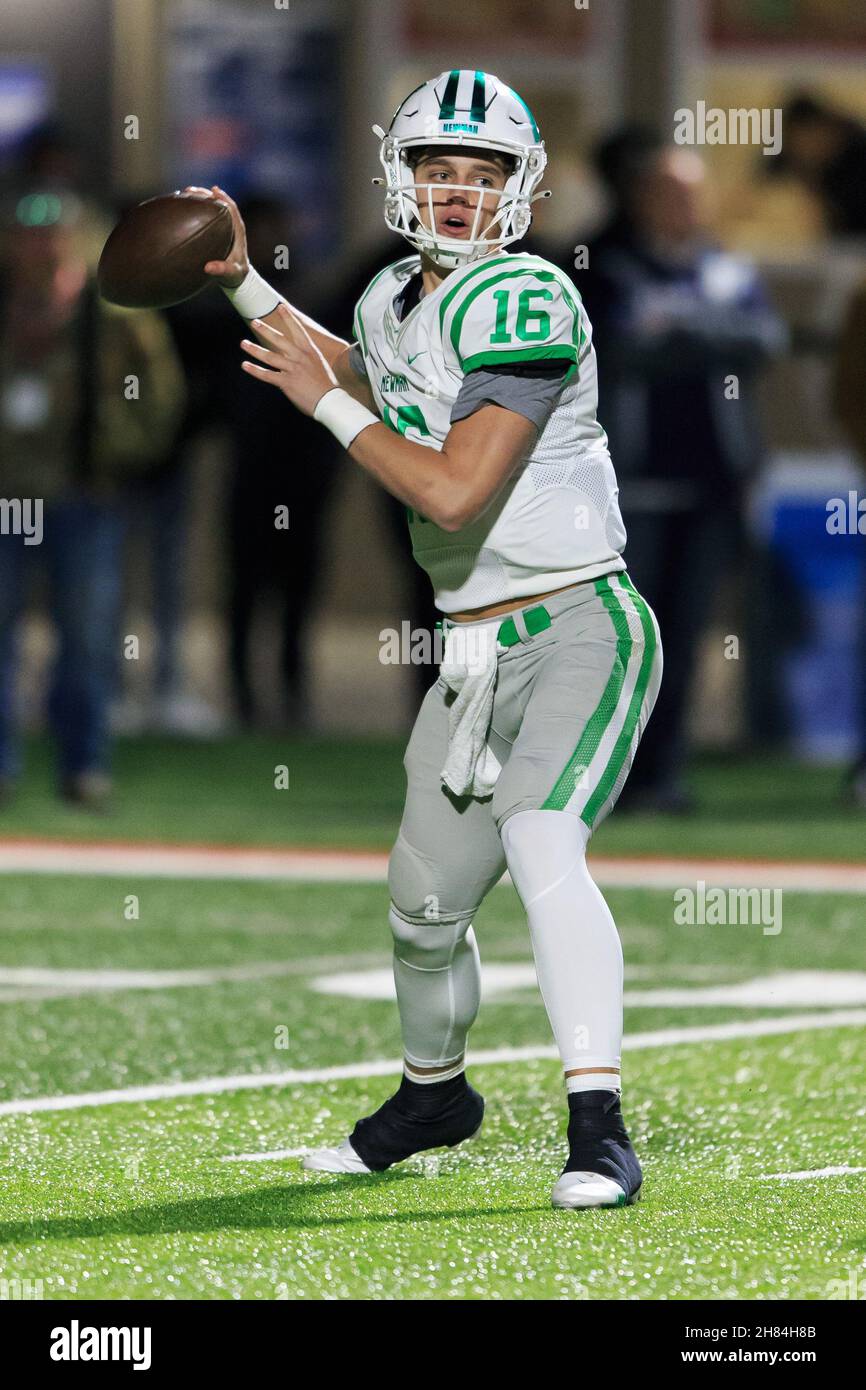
(158, 504)
(681, 331)
(71, 437)
(280, 459)
(50, 155)
(826, 151)
(619, 161)
(849, 401)
(849, 375)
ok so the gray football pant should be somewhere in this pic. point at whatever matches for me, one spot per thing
(570, 706)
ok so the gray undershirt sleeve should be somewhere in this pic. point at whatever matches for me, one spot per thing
(530, 389)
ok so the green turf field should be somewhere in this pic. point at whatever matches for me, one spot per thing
(149, 1198)
(349, 793)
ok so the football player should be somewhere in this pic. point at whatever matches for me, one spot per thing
(470, 394)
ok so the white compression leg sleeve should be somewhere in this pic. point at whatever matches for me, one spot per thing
(578, 956)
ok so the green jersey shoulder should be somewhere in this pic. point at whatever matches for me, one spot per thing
(512, 308)
(505, 308)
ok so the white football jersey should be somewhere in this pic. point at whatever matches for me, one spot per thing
(557, 520)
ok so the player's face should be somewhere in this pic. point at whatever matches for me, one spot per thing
(454, 209)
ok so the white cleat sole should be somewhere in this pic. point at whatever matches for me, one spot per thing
(345, 1160)
(580, 1190)
(339, 1160)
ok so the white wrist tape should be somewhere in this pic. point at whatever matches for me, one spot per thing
(253, 298)
(343, 415)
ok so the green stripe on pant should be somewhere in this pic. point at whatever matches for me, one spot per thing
(622, 746)
(597, 725)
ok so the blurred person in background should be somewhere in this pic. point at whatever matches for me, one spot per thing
(158, 503)
(618, 161)
(682, 331)
(268, 559)
(849, 402)
(157, 500)
(50, 155)
(72, 435)
(826, 151)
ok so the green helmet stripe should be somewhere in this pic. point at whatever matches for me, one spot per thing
(448, 104)
(479, 109)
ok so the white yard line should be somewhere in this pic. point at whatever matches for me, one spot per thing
(266, 1156)
(369, 980)
(350, 866)
(277, 1155)
(217, 1085)
(839, 1171)
(26, 982)
(789, 989)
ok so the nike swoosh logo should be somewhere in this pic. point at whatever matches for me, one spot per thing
(410, 360)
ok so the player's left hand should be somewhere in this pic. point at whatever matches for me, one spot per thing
(290, 361)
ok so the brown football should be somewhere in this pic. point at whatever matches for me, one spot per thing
(156, 254)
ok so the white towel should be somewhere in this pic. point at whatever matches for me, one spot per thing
(469, 668)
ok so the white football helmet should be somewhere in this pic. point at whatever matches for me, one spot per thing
(467, 111)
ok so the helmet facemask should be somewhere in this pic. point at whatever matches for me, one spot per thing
(404, 199)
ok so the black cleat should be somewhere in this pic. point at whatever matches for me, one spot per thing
(602, 1168)
(415, 1119)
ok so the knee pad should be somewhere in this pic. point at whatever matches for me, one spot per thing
(412, 881)
(422, 892)
(428, 944)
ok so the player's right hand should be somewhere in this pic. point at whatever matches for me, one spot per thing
(232, 271)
